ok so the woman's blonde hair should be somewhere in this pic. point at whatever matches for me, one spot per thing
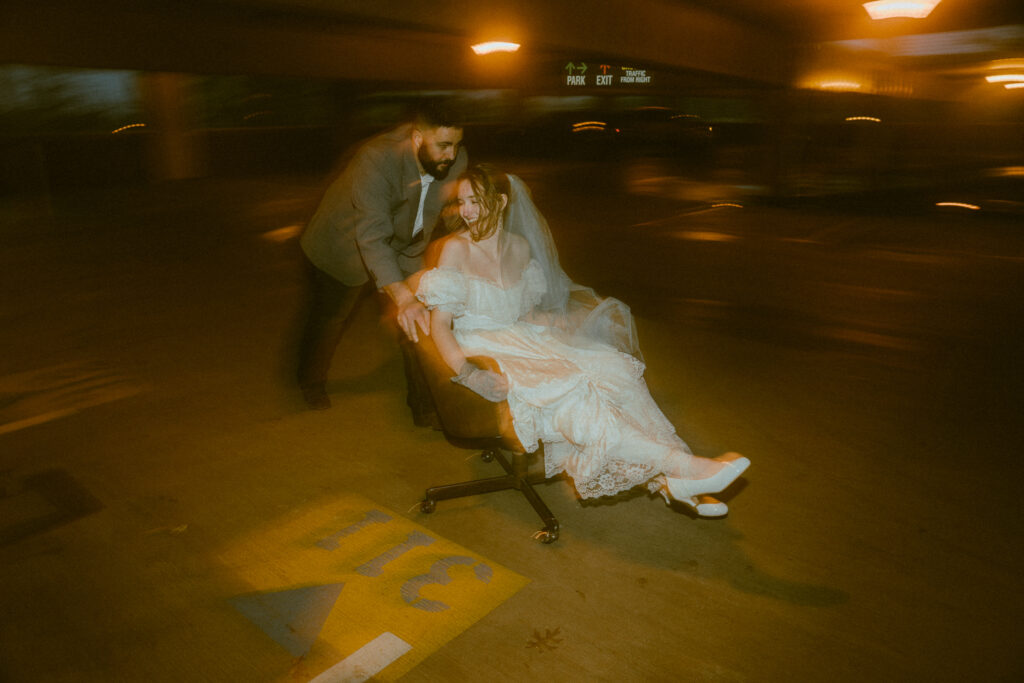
(488, 185)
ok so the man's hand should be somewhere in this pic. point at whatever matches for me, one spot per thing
(411, 313)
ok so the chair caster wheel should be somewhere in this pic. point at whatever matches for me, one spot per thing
(546, 535)
(427, 506)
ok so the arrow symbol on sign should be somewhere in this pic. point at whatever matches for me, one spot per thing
(582, 67)
(570, 67)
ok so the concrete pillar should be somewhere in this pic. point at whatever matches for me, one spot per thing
(174, 148)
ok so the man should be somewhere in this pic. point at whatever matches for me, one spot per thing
(374, 223)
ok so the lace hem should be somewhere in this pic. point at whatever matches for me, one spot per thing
(615, 477)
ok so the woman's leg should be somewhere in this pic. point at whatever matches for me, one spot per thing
(706, 475)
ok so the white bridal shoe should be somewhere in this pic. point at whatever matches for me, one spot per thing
(702, 506)
(705, 506)
(733, 465)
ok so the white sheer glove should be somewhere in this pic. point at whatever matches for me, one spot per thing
(490, 385)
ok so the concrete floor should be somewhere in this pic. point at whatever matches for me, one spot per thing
(148, 427)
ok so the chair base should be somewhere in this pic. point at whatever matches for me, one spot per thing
(516, 477)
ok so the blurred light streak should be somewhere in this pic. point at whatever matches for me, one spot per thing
(36, 420)
(839, 85)
(705, 236)
(863, 118)
(494, 46)
(1008, 172)
(867, 338)
(39, 396)
(1006, 64)
(131, 125)
(1012, 86)
(720, 205)
(997, 39)
(589, 125)
(282, 234)
(1006, 78)
(909, 9)
(959, 205)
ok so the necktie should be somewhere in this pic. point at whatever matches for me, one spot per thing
(425, 181)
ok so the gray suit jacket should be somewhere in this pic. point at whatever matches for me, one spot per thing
(364, 222)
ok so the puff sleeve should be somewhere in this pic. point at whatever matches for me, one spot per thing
(444, 289)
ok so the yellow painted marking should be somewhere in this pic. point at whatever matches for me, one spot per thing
(397, 578)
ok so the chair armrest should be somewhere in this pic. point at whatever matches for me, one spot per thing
(464, 414)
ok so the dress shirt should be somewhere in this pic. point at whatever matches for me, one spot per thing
(425, 181)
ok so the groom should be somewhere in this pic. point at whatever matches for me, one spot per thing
(374, 223)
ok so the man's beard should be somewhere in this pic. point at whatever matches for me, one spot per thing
(438, 169)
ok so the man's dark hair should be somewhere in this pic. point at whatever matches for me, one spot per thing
(438, 113)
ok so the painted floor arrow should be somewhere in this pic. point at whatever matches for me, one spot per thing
(294, 617)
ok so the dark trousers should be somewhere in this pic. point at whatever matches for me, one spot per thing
(331, 305)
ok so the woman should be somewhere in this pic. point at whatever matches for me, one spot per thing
(570, 366)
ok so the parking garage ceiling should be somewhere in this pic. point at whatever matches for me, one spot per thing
(725, 42)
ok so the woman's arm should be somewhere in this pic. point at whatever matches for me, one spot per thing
(453, 252)
(444, 339)
(491, 385)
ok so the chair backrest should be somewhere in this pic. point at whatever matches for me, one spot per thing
(467, 418)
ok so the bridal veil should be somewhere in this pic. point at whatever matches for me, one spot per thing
(575, 313)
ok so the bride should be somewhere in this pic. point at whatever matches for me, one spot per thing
(570, 365)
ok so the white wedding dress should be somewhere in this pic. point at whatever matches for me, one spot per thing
(588, 403)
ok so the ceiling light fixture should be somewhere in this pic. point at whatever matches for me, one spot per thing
(909, 9)
(494, 46)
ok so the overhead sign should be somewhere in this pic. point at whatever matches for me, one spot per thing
(583, 74)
